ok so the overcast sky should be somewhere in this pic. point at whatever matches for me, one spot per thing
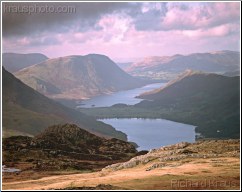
(124, 30)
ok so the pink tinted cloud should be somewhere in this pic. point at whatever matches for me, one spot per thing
(197, 28)
(218, 31)
(200, 16)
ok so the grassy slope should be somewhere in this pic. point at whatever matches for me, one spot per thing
(26, 110)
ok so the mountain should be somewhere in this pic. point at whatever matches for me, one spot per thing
(77, 77)
(232, 73)
(26, 111)
(14, 62)
(63, 147)
(209, 101)
(167, 67)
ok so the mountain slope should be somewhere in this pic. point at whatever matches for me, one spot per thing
(167, 66)
(209, 101)
(14, 62)
(77, 77)
(27, 111)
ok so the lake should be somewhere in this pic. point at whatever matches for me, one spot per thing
(153, 133)
(125, 97)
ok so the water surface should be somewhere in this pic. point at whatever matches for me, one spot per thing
(125, 97)
(153, 133)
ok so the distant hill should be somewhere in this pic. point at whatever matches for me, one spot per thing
(209, 101)
(167, 67)
(125, 66)
(26, 111)
(77, 77)
(232, 73)
(14, 62)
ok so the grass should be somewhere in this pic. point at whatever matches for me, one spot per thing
(26, 122)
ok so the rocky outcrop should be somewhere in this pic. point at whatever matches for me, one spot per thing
(158, 158)
(66, 146)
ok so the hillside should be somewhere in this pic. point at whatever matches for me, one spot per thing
(232, 73)
(209, 101)
(25, 111)
(77, 77)
(167, 67)
(211, 165)
(14, 62)
(65, 147)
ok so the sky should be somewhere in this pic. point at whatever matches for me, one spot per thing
(123, 31)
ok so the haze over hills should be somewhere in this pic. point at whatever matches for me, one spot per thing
(167, 67)
(25, 111)
(77, 77)
(14, 62)
(125, 65)
(232, 73)
(209, 101)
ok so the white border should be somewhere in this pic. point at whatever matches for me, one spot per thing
(117, 2)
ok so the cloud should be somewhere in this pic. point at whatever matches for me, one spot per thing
(141, 29)
(150, 16)
(85, 17)
(186, 16)
(218, 31)
(153, 16)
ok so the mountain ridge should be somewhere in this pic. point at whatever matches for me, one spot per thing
(207, 100)
(77, 77)
(167, 67)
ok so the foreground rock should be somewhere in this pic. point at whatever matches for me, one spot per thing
(165, 156)
(98, 187)
(64, 147)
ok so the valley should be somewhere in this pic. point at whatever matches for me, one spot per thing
(132, 133)
(208, 101)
